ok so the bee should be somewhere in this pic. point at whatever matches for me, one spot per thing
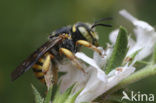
(67, 41)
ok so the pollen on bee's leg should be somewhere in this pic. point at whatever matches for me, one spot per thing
(88, 45)
(72, 57)
(47, 62)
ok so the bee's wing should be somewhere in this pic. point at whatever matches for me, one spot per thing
(32, 59)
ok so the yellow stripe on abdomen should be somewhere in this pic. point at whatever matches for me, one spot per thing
(37, 69)
(41, 67)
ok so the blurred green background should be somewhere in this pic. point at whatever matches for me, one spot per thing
(25, 25)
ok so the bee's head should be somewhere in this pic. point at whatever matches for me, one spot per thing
(84, 31)
(87, 31)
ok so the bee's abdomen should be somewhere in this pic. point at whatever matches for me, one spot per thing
(37, 69)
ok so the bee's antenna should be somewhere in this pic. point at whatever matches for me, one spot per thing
(103, 19)
(107, 25)
(96, 23)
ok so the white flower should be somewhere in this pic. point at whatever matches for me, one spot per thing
(98, 82)
(95, 81)
(73, 75)
(145, 37)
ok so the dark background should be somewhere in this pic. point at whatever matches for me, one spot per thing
(25, 25)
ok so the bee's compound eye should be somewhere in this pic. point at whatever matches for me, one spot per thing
(85, 33)
(95, 35)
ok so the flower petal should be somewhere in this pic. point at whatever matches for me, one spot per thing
(145, 36)
(100, 74)
(113, 35)
(101, 60)
(119, 75)
(73, 75)
(135, 21)
(95, 87)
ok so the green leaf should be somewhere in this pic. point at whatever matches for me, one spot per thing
(71, 99)
(48, 96)
(142, 62)
(38, 98)
(54, 91)
(87, 102)
(119, 51)
(154, 55)
(61, 98)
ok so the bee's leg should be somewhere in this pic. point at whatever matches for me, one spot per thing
(54, 72)
(72, 57)
(89, 45)
(47, 62)
(50, 70)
